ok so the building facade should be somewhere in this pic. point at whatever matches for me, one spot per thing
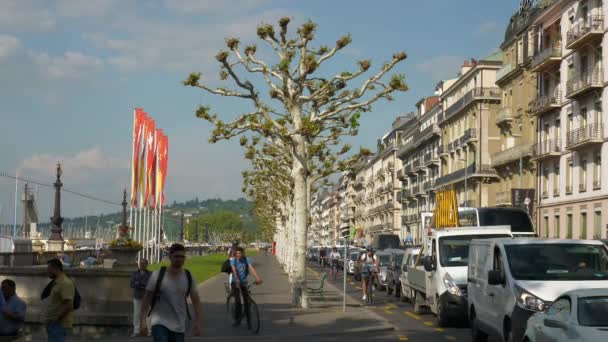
(571, 137)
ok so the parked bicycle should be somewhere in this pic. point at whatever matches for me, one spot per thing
(249, 307)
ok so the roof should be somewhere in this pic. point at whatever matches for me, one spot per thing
(541, 241)
(496, 56)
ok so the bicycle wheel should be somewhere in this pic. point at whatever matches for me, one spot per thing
(231, 306)
(370, 284)
(253, 317)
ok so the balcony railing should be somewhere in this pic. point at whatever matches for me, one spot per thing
(469, 135)
(546, 57)
(512, 154)
(442, 149)
(472, 170)
(588, 134)
(504, 115)
(581, 83)
(546, 102)
(504, 71)
(503, 198)
(587, 29)
(428, 185)
(405, 148)
(425, 134)
(429, 158)
(468, 98)
(547, 148)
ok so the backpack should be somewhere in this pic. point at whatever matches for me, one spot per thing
(227, 268)
(161, 275)
(47, 292)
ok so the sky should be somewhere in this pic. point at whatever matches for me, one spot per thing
(71, 72)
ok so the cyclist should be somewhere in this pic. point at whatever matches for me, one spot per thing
(334, 257)
(370, 266)
(241, 266)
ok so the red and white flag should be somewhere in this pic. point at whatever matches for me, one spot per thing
(138, 126)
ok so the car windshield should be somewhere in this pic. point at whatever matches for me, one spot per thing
(454, 250)
(560, 261)
(593, 311)
(354, 256)
(384, 260)
(518, 220)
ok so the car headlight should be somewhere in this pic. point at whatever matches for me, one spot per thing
(530, 302)
(450, 285)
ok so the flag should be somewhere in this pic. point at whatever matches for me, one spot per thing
(160, 155)
(150, 151)
(163, 168)
(138, 123)
(142, 158)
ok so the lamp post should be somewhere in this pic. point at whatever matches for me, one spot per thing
(56, 242)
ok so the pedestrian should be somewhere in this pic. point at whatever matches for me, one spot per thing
(166, 298)
(139, 281)
(322, 255)
(60, 310)
(12, 311)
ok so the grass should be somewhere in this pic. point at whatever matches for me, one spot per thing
(203, 267)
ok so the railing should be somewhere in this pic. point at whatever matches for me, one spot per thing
(429, 157)
(427, 185)
(546, 101)
(586, 133)
(582, 81)
(474, 94)
(504, 115)
(545, 147)
(504, 71)
(586, 26)
(405, 193)
(503, 198)
(512, 153)
(442, 149)
(406, 147)
(469, 134)
(416, 163)
(426, 133)
(547, 53)
(416, 189)
(465, 172)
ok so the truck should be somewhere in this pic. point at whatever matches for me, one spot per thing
(439, 277)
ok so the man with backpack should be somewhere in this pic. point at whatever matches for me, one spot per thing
(166, 300)
(241, 266)
(60, 310)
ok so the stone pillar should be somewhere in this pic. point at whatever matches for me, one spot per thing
(55, 242)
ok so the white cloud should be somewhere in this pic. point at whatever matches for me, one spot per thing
(8, 46)
(25, 16)
(487, 27)
(441, 67)
(72, 65)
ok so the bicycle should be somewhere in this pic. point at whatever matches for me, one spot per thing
(250, 312)
(370, 276)
(334, 268)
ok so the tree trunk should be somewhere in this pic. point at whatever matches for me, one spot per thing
(300, 203)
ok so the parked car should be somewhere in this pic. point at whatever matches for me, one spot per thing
(509, 280)
(384, 259)
(409, 260)
(386, 241)
(353, 255)
(579, 315)
(393, 271)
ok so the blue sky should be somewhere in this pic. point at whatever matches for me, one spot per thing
(72, 71)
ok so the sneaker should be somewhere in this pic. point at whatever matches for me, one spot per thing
(364, 297)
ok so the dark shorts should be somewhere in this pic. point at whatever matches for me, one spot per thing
(161, 334)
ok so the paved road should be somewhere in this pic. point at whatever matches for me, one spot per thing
(409, 326)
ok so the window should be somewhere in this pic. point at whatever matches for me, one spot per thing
(597, 114)
(597, 225)
(546, 227)
(584, 63)
(569, 227)
(569, 177)
(597, 170)
(582, 182)
(556, 131)
(545, 182)
(583, 117)
(583, 234)
(556, 179)
(570, 120)
(556, 229)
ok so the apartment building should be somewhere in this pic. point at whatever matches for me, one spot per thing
(469, 134)
(419, 155)
(571, 137)
(517, 128)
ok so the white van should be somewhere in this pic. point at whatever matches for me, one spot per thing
(511, 279)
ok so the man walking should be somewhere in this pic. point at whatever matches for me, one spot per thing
(139, 281)
(12, 312)
(60, 310)
(166, 299)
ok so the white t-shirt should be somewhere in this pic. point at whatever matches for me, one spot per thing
(371, 261)
(170, 309)
(334, 255)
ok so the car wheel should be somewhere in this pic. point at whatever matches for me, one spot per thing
(476, 334)
(417, 303)
(442, 318)
(389, 291)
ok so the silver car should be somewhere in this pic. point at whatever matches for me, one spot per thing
(579, 315)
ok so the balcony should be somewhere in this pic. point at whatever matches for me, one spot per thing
(430, 158)
(586, 31)
(547, 58)
(503, 198)
(584, 82)
(504, 116)
(416, 163)
(409, 218)
(545, 103)
(401, 175)
(504, 71)
(406, 148)
(427, 133)
(428, 185)
(546, 149)
(442, 150)
(470, 97)
(470, 171)
(511, 154)
(408, 169)
(468, 136)
(587, 135)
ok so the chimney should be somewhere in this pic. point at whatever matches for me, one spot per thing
(466, 66)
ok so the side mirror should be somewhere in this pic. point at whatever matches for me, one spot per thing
(429, 264)
(551, 323)
(495, 278)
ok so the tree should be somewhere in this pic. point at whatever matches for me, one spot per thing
(312, 113)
